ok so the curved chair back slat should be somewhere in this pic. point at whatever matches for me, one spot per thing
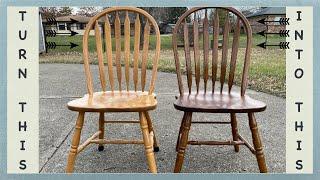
(222, 22)
(122, 49)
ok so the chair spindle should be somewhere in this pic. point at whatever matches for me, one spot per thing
(108, 40)
(136, 51)
(234, 53)
(97, 33)
(224, 51)
(215, 48)
(145, 54)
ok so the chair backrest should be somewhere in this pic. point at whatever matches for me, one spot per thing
(200, 20)
(127, 58)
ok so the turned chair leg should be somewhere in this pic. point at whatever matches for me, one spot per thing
(101, 128)
(257, 143)
(183, 142)
(180, 131)
(150, 127)
(147, 143)
(234, 127)
(75, 143)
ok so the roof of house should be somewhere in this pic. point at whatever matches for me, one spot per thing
(85, 19)
(268, 11)
(81, 19)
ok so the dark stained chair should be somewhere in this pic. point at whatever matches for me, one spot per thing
(209, 97)
(139, 98)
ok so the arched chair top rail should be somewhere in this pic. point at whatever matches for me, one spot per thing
(230, 9)
(114, 9)
(91, 24)
(247, 28)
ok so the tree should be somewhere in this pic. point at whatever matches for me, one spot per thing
(222, 16)
(174, 13)
(49, 12)
(65, 11)
(88, 11)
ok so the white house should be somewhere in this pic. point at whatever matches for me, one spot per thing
(66, 23)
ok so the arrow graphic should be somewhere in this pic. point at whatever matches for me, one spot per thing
(51, 20)
(282, 21)
(281, 33)
(281, 45)
(53, 33)
(53, 45)
(72, 21)
(54, 21)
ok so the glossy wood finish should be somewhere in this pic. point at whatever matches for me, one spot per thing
(225, 100)
(132, 101)
(140, 100)
(75, 143)
(117, 32)
(101, 128)
(225, 47)
(148, 142)
(218, 103)
(127, 49)
(108, 40)
(183, 141)
(215, 48)
(234, 127)
(257, 143)
(234, 54)
(100, 55)
(205, 50)
(136, 51)
(187, 55)
(196, 54)
(196, 47)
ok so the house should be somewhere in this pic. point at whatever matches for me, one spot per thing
(78, 24)
(64, 24)
(271, 14)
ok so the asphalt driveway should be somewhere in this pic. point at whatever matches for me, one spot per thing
(60, 83)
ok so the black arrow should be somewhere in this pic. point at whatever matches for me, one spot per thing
(53, 33)
(53, 45)
(281, 45)
(282, 21)
(72, 21)
(51, 20)
(282, 33)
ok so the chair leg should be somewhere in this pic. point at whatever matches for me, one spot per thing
(101, 128)
(75, 143)
(257, 143)
(183, 142)
(180, 131)
(147, 143)
(234, 127)
(150, 127)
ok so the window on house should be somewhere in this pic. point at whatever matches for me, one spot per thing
(62, 26)
(81, 26)
(69, 27)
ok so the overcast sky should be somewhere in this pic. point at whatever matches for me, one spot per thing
(76, 9)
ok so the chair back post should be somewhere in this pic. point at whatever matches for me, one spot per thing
(94, 24)
(183, 24)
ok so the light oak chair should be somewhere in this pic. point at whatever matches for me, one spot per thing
(214, 99)
(120, 99)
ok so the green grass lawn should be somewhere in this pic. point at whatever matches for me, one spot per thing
(267, 69)
(267, 72)
(166, 42)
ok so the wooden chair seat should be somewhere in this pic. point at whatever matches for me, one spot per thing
(125, 101)
(218, 103)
